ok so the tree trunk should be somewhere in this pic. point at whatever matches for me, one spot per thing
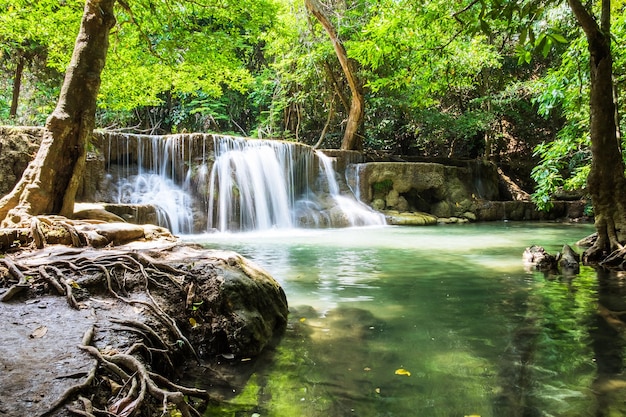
(49, 184)
(351, 139)
(17, 85)
(606, 181)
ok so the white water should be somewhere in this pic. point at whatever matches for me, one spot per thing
(261, 185)
(357, 213)
(244, 185)
(251, 185)
(152, 181)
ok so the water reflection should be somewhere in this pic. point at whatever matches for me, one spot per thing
(607, 333)
(453, 307)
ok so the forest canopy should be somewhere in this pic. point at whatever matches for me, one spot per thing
(440, 79)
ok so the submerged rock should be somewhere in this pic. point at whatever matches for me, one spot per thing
(569, 261)
(565, 262)
(538, 258)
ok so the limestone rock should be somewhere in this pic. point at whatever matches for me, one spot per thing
(118, 233)
(409, 218)
(98, 214)
(536, 257)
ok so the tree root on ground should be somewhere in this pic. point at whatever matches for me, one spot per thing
(142, 383)
(117, 273)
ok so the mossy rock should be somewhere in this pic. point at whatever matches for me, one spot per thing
(414, 218)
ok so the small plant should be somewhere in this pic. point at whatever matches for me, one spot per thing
(383, 187)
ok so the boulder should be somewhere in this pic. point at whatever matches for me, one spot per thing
(409, 218)
(537, 258)
(238, 308)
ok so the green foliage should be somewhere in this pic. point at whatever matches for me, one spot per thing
(41, 35)
(563, 92)
(183, 54)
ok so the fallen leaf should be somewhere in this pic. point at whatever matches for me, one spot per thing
(193, 322)
(115, 387)
(39, 332)
(402, 371)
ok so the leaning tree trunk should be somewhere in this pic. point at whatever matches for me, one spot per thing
(351, 139)
(606, 181)
(49, 184)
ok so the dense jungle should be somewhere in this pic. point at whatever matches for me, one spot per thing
(126, 319)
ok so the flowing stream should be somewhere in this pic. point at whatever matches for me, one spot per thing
(426, 321)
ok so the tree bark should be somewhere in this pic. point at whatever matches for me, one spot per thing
(49, 184)
(351, 139)
(606, 181)
(17, 85)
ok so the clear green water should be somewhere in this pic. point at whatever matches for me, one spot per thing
(451, 305)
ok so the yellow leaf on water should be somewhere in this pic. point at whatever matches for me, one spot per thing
(402, 371)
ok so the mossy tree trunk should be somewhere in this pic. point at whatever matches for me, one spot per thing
(606, 181)
(49, 184)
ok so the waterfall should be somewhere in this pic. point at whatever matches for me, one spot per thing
(253, 185)
(147, 171)
(205, 182)
(357, 213)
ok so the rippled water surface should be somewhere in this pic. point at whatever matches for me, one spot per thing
(427, 321)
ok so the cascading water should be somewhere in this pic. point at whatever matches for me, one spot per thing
(206, 182)
(260, 185)
(150, 179)
(357, 213)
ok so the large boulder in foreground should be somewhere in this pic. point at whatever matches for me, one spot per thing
(234, 307)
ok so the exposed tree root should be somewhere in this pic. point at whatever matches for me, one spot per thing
(138, 382)
(133, 372)
(607, 245)
(159, 308)
(73, 390)
(17, 274)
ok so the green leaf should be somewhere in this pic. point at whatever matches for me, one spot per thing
(547, 46)
(557, 37)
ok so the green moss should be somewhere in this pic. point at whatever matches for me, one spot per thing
(384, 186)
